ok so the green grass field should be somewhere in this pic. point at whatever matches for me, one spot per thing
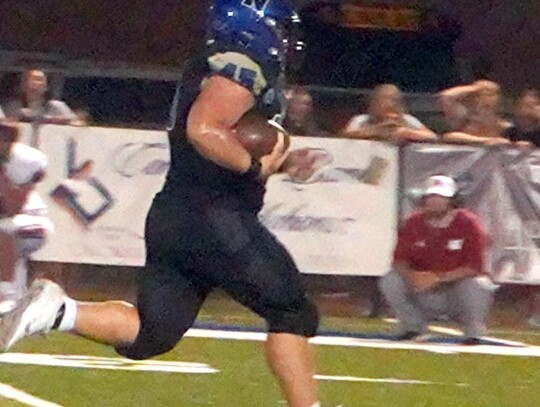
(243, 381)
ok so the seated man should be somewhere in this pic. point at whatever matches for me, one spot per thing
(23, 225)
(438, 266)
(300, 118)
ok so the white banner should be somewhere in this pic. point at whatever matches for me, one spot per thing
(334, 209)
(99, 187)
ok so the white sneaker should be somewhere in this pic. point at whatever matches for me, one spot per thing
(35, 313)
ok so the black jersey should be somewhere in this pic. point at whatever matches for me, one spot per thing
(189, 170)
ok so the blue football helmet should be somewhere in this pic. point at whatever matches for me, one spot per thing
(260, 28)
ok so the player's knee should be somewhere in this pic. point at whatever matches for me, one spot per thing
(148, 348)
(301, 319)
(154, 338)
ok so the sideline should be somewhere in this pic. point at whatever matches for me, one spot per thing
(445, 348)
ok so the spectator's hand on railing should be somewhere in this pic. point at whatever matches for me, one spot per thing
(496, 141)
(386, 129)
(380, 131)
(55, 120)
(524, 145)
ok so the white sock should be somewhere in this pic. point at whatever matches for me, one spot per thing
(317, 404)
(70, 315)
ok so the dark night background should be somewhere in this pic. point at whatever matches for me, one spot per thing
(458, 41)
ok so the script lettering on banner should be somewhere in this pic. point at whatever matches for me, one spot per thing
(334, 206)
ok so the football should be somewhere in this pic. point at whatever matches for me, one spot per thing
(259, 135)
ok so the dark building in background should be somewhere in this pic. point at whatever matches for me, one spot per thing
(166, 32)
(360, 47)
(379, 41)
(498, 39)
(157, 32)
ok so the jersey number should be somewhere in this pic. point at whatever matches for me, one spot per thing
(246, 77)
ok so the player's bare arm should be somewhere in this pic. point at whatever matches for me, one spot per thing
(219, 106)
(406, 133)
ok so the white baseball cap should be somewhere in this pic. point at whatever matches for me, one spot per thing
(440, 185)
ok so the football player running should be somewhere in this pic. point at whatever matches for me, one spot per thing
(24, 225)
(202, 230)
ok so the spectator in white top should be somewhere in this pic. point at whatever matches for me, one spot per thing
(23, 222)
(387, 119)
(33, 104)
(300, 118)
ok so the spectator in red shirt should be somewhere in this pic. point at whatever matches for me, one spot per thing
(438, 266)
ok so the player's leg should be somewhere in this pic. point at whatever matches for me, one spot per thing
(114, 323)
(36, 312)
(9, 255)
(290, 324)
(291, 360)
(20, 236)
(287, 349)
(167, 305)
(259, 273)
(45, 307)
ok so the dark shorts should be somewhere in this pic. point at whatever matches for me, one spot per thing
(199, 246)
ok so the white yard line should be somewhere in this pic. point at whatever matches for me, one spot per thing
(106, 363)
(10, 392)
(530, 351)
(388, 380)
(93, 362)
(456, 332)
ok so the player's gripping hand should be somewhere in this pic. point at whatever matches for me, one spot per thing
(271, 163)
